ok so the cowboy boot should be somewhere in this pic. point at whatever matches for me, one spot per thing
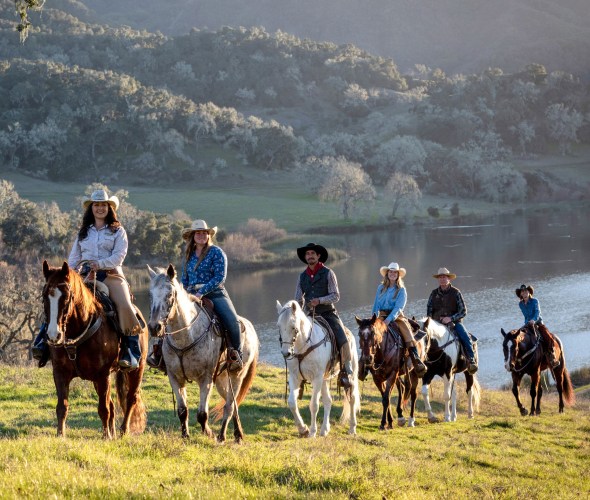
(345, 375)
(40, 349)
(155, 359)
(471, 366)
(419, 367)
(234, 360)
(130, 352)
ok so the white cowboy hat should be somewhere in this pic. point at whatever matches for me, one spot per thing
(394, 266)
(198, 225)
(443, 271)
(100, 195)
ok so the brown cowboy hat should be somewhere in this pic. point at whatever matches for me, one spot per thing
(319, 249)
(443, 271)
(524, 287)
(198, 225)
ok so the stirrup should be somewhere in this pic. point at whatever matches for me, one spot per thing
(472, 367)
(344, 379)
(234, 360)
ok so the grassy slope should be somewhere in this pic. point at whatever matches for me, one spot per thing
(498, 454)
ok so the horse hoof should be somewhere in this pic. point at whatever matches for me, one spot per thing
(304, 433)
(524, 412)
(433, 420)
(382, 428)
(401, 422)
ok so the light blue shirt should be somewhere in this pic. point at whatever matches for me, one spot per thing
(385, 301)
(531, 310)
(102, 245)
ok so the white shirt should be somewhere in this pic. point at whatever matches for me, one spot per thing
(107, 248)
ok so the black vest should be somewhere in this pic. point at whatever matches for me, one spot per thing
(444, 303)
(316, 287)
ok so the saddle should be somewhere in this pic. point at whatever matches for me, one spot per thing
(108, 305)
(218, 326)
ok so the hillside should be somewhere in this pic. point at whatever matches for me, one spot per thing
(454, 35)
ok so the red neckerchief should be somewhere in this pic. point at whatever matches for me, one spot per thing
(315, 270)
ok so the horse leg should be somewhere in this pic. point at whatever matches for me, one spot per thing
(454, 401)
(292, 401)
(203, 413)
(432, 418)
(558, 375)
(62, 387)
(181, 404)
(102, 386)
(354, 405)
(314, 403)
(229, 409)
(131, 395)
(401, 421)
(469, 390)
(448, 387)
(535, 378)
(413, 396)
(515, 391)
(327, 402)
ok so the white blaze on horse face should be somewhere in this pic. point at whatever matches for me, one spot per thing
(53, 331)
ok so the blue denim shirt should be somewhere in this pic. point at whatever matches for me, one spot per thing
(531, 310)
(211, 272)
(388, 301)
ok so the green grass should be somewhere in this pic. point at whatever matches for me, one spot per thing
(496, 455)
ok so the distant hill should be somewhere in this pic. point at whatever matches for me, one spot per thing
(453, 35)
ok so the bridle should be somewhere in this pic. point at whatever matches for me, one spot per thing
(172, 301)
(368, 342)
(514, 349)
(66, 310)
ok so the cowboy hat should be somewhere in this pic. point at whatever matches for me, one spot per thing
(319, 249)
(100, 195)
(524, 287)
(394, 266)
(443, 271)
(198, 225)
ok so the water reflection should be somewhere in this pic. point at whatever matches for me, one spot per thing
(491, 259)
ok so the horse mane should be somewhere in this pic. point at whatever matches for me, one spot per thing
(435, 330)
(84, 297)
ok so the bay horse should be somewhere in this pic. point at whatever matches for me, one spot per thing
(443, 359)
(83, 343)
(193, 350)
(311, 356)
(524, 355)
(383, 355)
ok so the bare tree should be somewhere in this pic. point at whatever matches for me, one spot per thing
(403, 190)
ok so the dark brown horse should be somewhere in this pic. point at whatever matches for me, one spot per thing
(384, 356)
(84, 344)
(524, 355)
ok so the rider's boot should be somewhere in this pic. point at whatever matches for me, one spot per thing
(471, 366)
(40, 349)
(419, 367)
(130, 352)
(155, 359)
(345, 375)
(234, 360)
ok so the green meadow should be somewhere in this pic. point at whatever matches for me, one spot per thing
(498, 454)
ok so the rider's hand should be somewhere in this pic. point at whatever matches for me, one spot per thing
(93, 264)
(314, 302)
(531, 322)
(197, 297)
(446, 320)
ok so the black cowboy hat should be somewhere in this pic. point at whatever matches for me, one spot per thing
(524, 287)
(319, 249)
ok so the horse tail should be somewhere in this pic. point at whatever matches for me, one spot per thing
(569, 396)
(476, 392)
(138, 421)
(346, 414)
(217, 412)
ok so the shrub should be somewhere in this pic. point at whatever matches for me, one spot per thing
(263, 230)
(242, 248)
(433, 212)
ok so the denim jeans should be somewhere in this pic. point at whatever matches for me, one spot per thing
(465, 340)
(227, 313)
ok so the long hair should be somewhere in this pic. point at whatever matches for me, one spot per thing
(399, 282)
(191, 247)
(88, 220)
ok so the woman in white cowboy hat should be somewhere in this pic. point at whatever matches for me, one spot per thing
(447, 306)
(389, 304)
(203, 275)
(100, 247)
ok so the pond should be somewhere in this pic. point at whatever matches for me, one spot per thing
(491, 259)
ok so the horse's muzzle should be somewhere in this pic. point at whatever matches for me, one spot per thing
(156, 329)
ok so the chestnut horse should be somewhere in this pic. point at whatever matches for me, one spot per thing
(83, 343)
(383, 354)
(524, 355)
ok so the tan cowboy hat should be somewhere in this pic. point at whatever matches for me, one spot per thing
(100, 195)
(524, 287)
(319, 249)
(394, 266)
(198, 225)
(443, 271)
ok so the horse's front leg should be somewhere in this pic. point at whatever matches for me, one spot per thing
(447, 393)
(106, 408)
(385, 402)
(469, 390)
(327, 402)
(230, 410)
(62, 387)
(401, 420)
(558, 375)
(432, 418)
(413, 396)
(536, 393)
(179, 390)
(294, 384)
(314, 403)
(516, 392)
(205, 387)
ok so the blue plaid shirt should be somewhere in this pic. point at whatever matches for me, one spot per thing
(211, 272)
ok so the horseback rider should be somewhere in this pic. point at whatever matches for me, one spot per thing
(319, 287)
(100, 247)
(446, 305)
(531, 310)
(389, 304)
(203, 275)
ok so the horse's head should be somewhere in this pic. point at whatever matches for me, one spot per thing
(291, 323)
(370, 337)
(163, 296)
(63, 289)
(513, 342)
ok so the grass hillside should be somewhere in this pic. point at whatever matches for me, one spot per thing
(496, 455)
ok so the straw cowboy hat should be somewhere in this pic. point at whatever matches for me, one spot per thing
(524, 287)
(319, 249)
(443, 271)
(100, 195)
(198, 225)
(394, 266)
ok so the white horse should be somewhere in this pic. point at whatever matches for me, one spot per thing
(192, 351)
(308, 354)
(443, 359)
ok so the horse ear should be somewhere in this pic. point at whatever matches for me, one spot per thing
(151, 271)
(373, 318)
(171, 272)
(426, 323)
(65, 268)
(358, 320)
(45, 269)
(279, 307)
(294, 306)
(503, 332)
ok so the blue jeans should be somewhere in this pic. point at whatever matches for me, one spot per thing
(465, 340)
(227, 313)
